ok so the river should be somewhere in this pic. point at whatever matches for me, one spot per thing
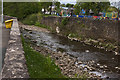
(106, 63)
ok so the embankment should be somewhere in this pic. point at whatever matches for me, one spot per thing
(103, 34)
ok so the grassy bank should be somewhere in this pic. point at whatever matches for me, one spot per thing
(34, 19)
(38, 65)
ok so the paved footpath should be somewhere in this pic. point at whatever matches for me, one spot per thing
(14, 62)
(4, 37)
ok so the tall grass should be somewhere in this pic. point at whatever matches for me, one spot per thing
(38, 65)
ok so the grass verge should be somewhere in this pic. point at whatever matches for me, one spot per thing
(38, 65)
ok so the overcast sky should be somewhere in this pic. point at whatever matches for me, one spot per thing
(67, 1)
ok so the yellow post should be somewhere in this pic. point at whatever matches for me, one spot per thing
(77, 15)
(106, 15)
(8, 23)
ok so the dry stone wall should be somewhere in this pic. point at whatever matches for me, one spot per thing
(105, 29)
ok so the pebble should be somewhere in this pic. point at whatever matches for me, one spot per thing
(12, 50)
(116, 67)
(30, 32)
(101, 67)
(116, 53)
(98, 64)
(87, 51)
(113, 58)
(79, 62)
(105, 66)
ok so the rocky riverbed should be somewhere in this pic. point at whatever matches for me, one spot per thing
(71, 63)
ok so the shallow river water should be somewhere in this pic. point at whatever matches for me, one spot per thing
(106, 64)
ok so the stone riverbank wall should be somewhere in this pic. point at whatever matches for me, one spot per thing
(104, 31)
(14, 61)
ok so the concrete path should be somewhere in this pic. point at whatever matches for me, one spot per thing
(4, 37)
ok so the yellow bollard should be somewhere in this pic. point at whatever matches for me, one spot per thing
(77, 15)
(8, 23)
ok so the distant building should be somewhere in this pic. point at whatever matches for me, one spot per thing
(66, 11)
(91, 12)
(53, 9)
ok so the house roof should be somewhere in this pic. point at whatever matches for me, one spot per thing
(67, 8)
(64, 7)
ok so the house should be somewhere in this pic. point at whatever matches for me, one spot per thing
(47, 11)
(66, 11)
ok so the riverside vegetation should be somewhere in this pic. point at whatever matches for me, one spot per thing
(40, 66)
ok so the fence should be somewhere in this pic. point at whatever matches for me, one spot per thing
(107, 16)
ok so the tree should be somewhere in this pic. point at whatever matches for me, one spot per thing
(99, 7)
(111, 9)
(46, 5)
(20, 9)
(63, 5)
(96, 7)
(69, 5)
(77, 9)
(57, 4)
(23, 9)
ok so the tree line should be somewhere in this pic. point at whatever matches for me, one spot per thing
(22, 9)
(96, 7)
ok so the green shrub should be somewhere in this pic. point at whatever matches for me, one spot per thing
(83, 25)
(65, 21)
(78, 22)
(37, 24)
(42, 25)
(30, 20)
(39, 16)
